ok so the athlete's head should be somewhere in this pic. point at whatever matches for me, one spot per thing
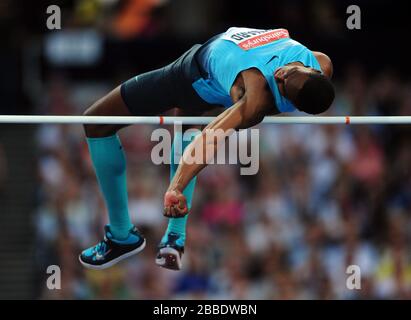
(306, 88)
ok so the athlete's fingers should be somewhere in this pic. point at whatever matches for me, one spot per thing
(166, 211)
(182, 203)
(181, 211)
(173, 211)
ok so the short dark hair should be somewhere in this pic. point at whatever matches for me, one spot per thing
(316, 95)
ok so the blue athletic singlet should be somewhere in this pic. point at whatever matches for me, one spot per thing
(238, 49)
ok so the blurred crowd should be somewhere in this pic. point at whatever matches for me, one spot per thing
(325, 197)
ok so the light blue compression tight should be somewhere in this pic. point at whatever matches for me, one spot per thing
(109, 163)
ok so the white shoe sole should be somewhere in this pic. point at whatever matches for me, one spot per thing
(169, 259)
(114, 261)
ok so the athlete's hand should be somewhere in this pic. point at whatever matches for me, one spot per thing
(175, 204)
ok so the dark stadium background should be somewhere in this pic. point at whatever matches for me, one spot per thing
(325, 198)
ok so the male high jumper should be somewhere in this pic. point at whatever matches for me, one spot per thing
(247, 74)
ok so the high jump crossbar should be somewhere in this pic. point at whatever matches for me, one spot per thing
(165, 120)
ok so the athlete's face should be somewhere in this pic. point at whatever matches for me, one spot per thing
(291, 79)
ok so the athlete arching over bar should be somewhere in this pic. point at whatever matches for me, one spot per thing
(247, 74)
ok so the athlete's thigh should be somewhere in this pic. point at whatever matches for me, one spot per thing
(156, 92)
(150, 93)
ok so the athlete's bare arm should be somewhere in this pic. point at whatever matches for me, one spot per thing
(325, 63)
(253, 100)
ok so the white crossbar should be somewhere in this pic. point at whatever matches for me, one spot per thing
(160, 120)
